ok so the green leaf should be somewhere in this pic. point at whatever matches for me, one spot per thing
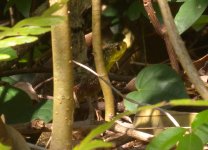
(176, 0)
(2, 28)
(13, 41)
(40, 21)
(95, 144)
(30, 30)
(190, 142)
(159, 82)
(134, 10)
(188, 102)
(21, 105)
(23, 6)
(200, 119)
(166, 139)
(202, 132)
(110, 12)
(7, 54)
(55, 7)
(5, 147)
(135, 95)
(43, 111)
(195, 8)
(9, 80)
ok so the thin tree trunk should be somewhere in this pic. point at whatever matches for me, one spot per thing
(99, 61)
(63, 107)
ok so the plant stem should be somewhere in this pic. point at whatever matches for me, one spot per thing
(99, 61)
(63, 106)
(181, 50)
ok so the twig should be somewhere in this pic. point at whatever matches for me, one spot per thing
(161, 30)
(172, 119)
(181, 50)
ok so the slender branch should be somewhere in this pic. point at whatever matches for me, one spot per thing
(99, 61)
(181, 50)
(170, 117)
(161, 30)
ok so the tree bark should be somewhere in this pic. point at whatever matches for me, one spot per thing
(63, 106)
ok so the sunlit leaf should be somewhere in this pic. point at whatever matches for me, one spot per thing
(40, 21)
(188, 102)
(52, 9)
(200, 119)
(13, 41)
(94, 144)
(7, 54)
(5, 147)
(30, 30)
(190, 142)
(166, 139)
(195, 8)
(202, 131)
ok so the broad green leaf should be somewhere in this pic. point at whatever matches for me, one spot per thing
(166, 139)
(7, 54)
(30, 30)
(200, 119)
(110, 12)
(188, 102)
(5, 147)
(202, 131)
(134, 10)
(13, 41)
(135, 95)
(43, 111)
(190, 142)
(52, 9)
(2, 28)
(23, 6)
(21, 105)
(159, 82)
(176, 0)
(203, 19)
(94, 144)
(195, 8)
(40, 21)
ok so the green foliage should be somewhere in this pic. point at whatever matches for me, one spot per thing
(21, 105)
(156, 83)
(193, 140)
(89, 143)
(195, 8)
(134, 10)
(5, 147)
(23, 6)
(7, 54)
(27, 30)
(190, 142)
(166, 139)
